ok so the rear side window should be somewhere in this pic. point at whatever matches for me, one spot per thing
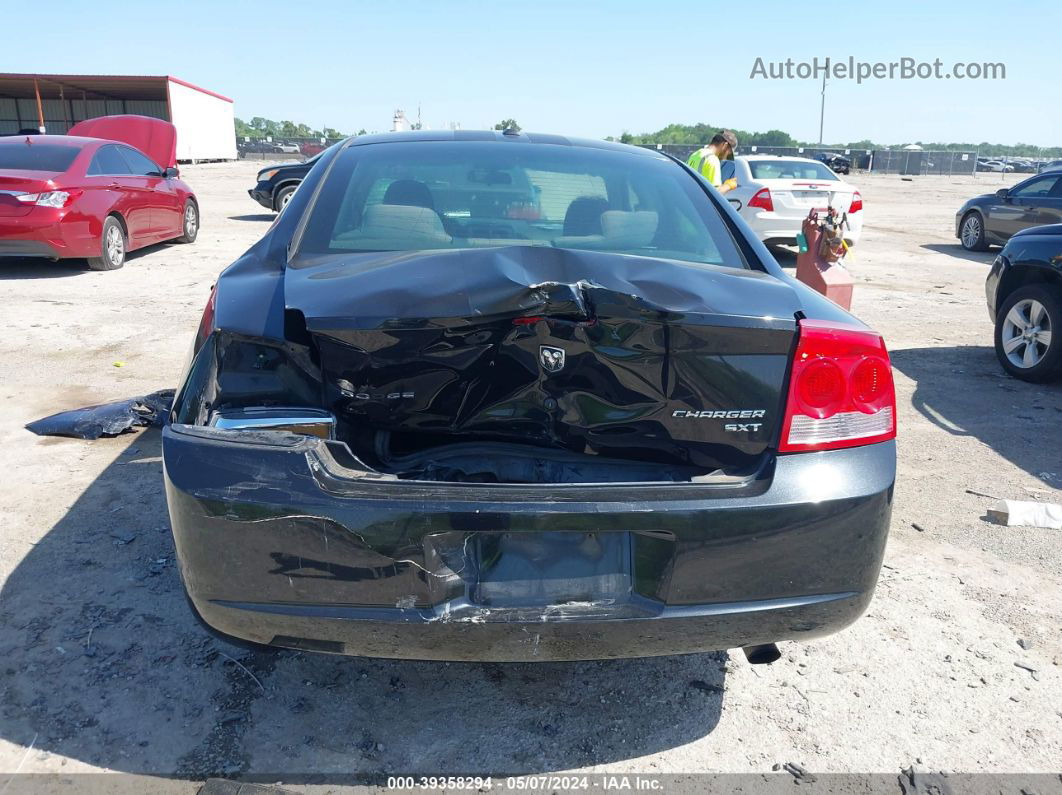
(790, 169)
(139, 164)
(1037, 188)
(37, 156)
(465, 194)
(107, 161)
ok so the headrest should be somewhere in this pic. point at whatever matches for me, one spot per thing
(583, 216)
(409, 192)
(416, 224)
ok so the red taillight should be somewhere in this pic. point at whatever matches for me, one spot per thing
(56, 199)
(857, 203)
(763, 200)
(841, 392)
(206, 323)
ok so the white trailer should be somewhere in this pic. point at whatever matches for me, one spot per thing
(54, 103)
(204, 120)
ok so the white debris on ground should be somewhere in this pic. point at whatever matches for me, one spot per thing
(1017, 513)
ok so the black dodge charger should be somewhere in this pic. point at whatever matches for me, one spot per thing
(500, 396)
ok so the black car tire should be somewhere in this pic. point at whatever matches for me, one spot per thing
(1049, 366)
(973, 242)
(189, 222)
(283, 195)
(112, 247)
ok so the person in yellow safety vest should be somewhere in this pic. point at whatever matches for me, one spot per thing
(705, 161)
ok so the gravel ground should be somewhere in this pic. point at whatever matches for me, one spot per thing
(954, 667)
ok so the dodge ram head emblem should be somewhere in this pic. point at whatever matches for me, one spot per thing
(551, 359)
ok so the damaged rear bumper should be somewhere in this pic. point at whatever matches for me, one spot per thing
(281, 542)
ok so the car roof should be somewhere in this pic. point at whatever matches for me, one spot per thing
(61, 140)
(497, 136)
(746, 158)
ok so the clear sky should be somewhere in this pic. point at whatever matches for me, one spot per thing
(578, 68)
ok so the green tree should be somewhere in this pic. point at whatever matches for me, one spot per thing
(769, 138)
(260, 127)
(701, 133)
(264, 126)
(507, 124)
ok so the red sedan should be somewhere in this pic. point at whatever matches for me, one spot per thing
(93, 197)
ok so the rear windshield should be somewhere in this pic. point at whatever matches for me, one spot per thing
(37, 157)
(467, 194)
(789, 169)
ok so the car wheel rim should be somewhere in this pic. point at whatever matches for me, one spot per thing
(971, 230)
(1026, 333)
(285, 199)
(190, 221)
(115, 244)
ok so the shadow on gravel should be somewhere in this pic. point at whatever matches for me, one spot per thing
(965, 392)
(37, 268)
(786, 257)
(104, 663)
(957, 251)
(258, 217)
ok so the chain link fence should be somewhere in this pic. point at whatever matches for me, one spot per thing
(921, 163)
(879, 161)
(281, 148)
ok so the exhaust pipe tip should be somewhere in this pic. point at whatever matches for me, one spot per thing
(764, 654)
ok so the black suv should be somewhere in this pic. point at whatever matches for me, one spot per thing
(277, 183)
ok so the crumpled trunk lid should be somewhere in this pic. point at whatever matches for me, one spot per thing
(618, 356)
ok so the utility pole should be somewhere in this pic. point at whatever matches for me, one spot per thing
(822, 108)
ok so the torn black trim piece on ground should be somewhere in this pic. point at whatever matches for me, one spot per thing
(107, 419)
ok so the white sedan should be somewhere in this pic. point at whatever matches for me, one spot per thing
(775, 194)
